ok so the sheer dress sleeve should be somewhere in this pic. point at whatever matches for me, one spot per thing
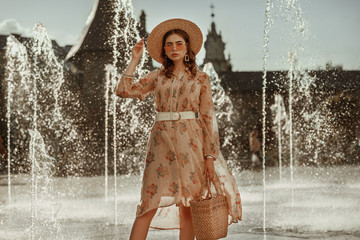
(126, 88)
(208, 117)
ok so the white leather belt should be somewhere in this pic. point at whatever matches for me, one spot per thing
(175, 116)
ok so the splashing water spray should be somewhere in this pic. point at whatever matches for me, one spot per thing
(121, 36)
(34, 109)
(281, 123)
(291, 76)
(17, 67)
(293, 15)
(268, 23)
(47, 76)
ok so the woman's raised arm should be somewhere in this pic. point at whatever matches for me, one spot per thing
(125, 87)
(136, 54)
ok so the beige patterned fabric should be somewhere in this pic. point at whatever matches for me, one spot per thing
(176, 150)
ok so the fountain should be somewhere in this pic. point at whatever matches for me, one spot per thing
(269, 6)
(46, 140)
(281, 126)
(306, 125)
(36, 126)
(17, 59)
(124, 35)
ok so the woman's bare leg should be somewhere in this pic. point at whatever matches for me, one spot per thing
(186, 225)
(141, 225)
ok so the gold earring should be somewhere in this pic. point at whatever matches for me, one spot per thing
(187, 58)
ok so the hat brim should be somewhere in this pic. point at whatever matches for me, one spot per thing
(154, 41)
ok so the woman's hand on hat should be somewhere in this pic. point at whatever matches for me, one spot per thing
(137, 50)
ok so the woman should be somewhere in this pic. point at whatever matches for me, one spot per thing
(255, 148)
(3, 152)
(183, 147)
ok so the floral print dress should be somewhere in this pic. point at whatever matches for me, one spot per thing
(176, 150)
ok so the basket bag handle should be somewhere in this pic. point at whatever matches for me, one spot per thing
(216, 186)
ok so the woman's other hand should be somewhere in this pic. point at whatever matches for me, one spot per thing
(209, 167)
(137, 50)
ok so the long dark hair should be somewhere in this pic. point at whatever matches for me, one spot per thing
(168, 64)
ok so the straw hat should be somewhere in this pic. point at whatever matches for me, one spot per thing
(154, 41)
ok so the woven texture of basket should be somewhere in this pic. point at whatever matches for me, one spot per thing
(210, 217)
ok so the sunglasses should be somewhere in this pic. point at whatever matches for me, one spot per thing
(178, 45)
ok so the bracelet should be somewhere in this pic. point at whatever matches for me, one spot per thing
(126, 75)
(210, 156)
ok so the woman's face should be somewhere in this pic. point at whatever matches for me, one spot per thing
(175, 47)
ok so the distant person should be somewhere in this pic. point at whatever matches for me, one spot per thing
(183, 148)
(255, 148)
(3, 152)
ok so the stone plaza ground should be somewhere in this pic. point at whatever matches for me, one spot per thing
(325, 206)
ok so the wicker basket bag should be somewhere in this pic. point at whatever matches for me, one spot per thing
(210, 216)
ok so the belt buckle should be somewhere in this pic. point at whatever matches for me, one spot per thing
(178, 118)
